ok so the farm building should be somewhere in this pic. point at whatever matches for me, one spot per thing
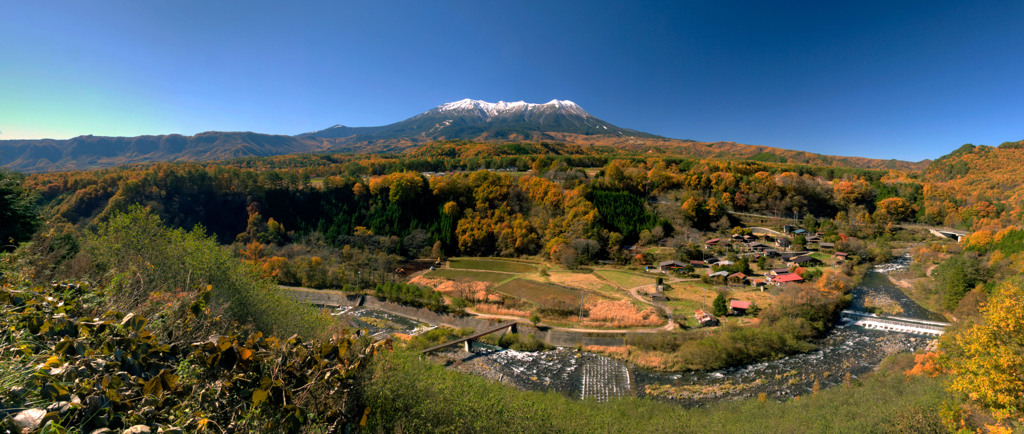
(670, 265)
(739, 307)
(704, 318)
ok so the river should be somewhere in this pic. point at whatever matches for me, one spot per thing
(845, 354)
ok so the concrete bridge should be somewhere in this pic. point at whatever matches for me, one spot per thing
(946, 233)
(895, 323)
(468, 340)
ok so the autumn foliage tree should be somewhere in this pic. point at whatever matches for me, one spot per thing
(987, 360)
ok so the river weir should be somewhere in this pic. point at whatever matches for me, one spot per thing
(845, 354)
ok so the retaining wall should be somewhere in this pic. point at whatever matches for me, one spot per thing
(558, 338)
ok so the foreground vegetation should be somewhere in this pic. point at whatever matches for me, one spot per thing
(403, 392)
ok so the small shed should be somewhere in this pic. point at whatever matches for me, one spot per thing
(704, 318)
(659, 293)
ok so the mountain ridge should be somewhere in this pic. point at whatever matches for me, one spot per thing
(472, 120)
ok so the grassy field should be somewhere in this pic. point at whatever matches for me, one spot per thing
(823, 257)
(491, 265)
(539, 293)
(483, 276)
(587, 281)
(625, 279)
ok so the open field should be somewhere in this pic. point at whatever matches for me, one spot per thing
(625, 279)
(585, 281)
(541, 294)
(483, 276)
(491, 265)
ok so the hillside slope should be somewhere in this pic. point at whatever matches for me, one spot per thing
(88, 152)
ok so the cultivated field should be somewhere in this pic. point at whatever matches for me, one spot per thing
(625, 279)
(541, 294)
(483, 276)
(491, 265)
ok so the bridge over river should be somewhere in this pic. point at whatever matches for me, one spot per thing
(894, 323)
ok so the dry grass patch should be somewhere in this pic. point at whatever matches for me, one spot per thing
(497, 309)
(621, 314)
(470, 290)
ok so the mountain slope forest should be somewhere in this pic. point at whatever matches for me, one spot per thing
(148, 294)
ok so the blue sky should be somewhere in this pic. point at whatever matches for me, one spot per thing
(906, 80)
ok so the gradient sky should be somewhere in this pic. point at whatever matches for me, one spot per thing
(885, 79)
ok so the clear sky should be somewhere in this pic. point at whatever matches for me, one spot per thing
(884, 79)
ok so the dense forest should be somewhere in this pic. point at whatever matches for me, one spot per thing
(116, 279)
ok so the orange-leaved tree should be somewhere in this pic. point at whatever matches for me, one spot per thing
(987, 360)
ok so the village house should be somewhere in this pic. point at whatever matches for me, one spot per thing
(673, 265)
(758, 246)
(803, 261)
(758, 283)
(737, 277)
(722, 274)
(783, 243)
(778, 271)
(826, 246)
(785, 278)
(711, 243)
(698, 264)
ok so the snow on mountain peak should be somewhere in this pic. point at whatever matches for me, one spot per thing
(490, 110)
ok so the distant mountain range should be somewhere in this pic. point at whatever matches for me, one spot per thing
(555, 121)
(479, 120)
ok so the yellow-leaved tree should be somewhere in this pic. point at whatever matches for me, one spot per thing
(987, 360)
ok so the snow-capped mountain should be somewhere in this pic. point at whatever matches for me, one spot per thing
(504, 109)
(480, 120)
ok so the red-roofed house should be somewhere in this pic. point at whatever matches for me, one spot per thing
(786, 278)
(739, 307)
